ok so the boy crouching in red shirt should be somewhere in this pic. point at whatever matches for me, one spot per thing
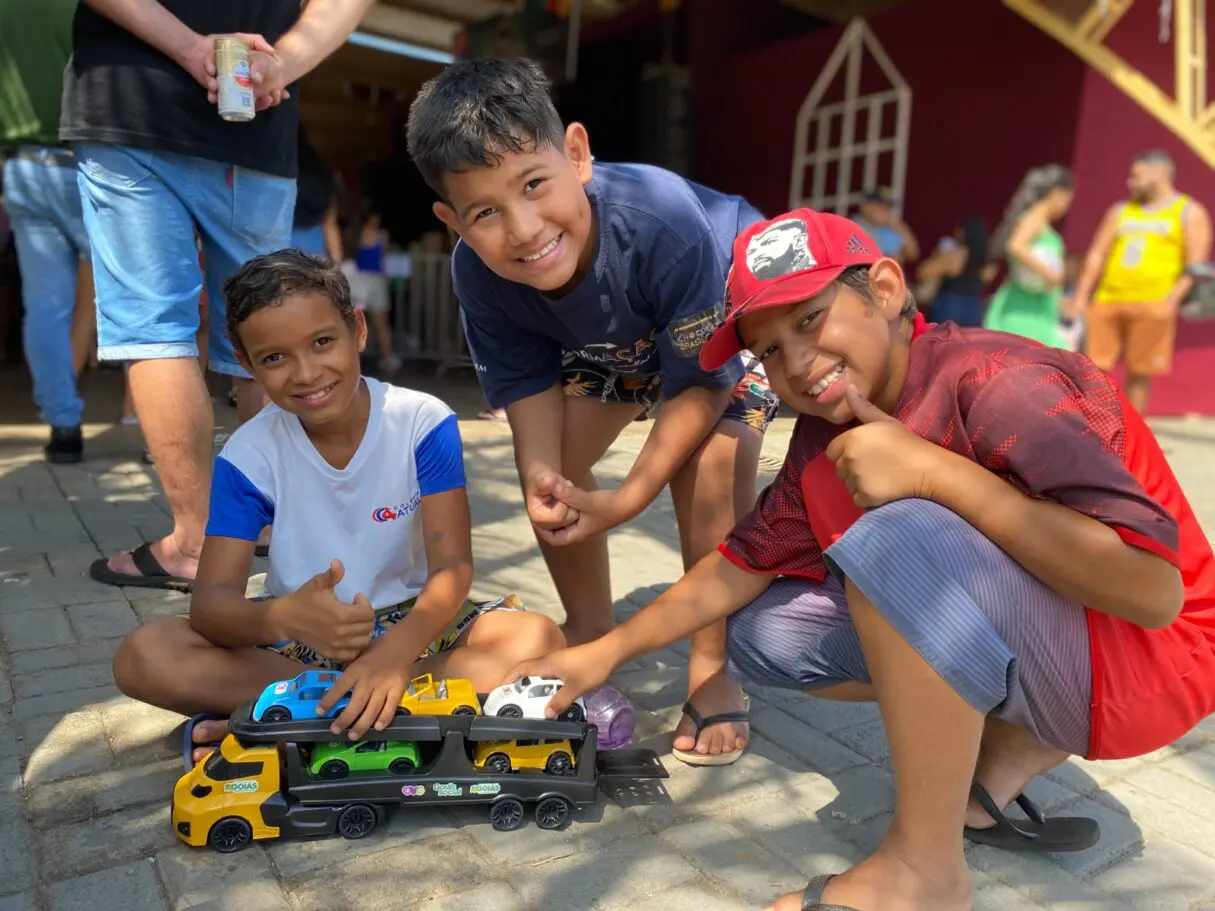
(975, 530)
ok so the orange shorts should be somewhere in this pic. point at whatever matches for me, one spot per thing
(1141, 334)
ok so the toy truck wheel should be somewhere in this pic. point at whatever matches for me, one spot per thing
(559, 764)
(510, 711)
(552, 812)
(334, 769)
(356, 821)
(465, 710)
(402, 711)
(401, 766)
(498, 763)
(574, 713)
(277, 713)
(506, 814)
(229, 835)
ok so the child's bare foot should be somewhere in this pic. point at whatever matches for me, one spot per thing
(715, 696)
(1009, 759)
(886, 882)
(205, 735)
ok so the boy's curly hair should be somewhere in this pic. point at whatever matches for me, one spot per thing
(476, 111)
(265, 281)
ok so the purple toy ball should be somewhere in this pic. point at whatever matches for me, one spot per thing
(611, 712)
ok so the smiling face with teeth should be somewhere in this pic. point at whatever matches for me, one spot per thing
(306, 356)
(851, 333)
(528, 216)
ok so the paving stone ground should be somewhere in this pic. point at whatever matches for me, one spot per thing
(85, 774)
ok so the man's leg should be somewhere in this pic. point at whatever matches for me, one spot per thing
(47, 256)
(146, 272)
(1150, 338)
(241, 214)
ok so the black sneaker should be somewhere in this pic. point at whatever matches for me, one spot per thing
(66, 446)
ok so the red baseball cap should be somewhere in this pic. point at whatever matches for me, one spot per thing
(782, 261)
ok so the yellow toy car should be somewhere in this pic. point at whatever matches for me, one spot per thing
(426, 696)
(501, 756)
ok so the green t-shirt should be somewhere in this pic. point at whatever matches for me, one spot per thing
(35, 45)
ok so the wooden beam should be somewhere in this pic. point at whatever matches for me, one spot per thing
(1118, 9)
(1138, 87)
(1183, 53)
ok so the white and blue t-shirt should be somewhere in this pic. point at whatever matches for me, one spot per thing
(654, 292)
(367, 514)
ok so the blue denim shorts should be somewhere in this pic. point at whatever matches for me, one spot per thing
(142, 209)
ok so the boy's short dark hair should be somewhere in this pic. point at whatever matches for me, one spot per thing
(856, 278)
(265, 281)
(476, 111)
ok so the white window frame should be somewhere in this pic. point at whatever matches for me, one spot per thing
(856, 40)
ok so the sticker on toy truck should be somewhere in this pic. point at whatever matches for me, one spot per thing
(413, 790)
(489, 787)
(448, 789)
(244, 786)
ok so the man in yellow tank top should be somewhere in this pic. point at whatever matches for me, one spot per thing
(1134, 277)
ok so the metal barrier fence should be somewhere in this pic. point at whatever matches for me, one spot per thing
(428, 315)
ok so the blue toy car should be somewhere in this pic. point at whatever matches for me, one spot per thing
(297, 698)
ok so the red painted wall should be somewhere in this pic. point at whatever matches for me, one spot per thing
(992, 96)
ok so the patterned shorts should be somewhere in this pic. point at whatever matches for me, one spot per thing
(389, 617)
(752, 402)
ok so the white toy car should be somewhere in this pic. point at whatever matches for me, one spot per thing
(527, 697)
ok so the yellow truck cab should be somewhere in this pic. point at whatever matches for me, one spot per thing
(219, 801)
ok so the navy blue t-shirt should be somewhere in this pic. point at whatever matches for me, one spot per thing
(645, 309)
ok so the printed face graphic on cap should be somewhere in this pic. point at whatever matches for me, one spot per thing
(779, 249)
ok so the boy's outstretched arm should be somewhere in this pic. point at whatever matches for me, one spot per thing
(713, 589)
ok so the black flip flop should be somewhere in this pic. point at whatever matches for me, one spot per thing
(1037, 833)
(152, 574)
(188, 746)
(691, 757)
(812, 897)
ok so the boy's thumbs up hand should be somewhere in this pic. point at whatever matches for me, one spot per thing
(316, 617)
(329, 579)
(882, 460)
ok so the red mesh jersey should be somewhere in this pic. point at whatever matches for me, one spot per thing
(1055, 426)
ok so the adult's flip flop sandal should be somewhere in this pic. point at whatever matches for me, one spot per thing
(1036, 833)
(152, 574)
(188, 746)
(691, 757)
(812, 897)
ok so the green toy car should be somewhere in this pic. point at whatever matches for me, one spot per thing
(337, 760)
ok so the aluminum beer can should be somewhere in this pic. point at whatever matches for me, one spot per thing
(235, 79)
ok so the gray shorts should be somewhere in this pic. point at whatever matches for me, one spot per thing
(1007, 644)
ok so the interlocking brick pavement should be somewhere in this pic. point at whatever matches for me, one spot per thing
(85, 775)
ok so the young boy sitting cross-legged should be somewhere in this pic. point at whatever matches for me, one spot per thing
(973, 529)
(371, 557)
(586, 290)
